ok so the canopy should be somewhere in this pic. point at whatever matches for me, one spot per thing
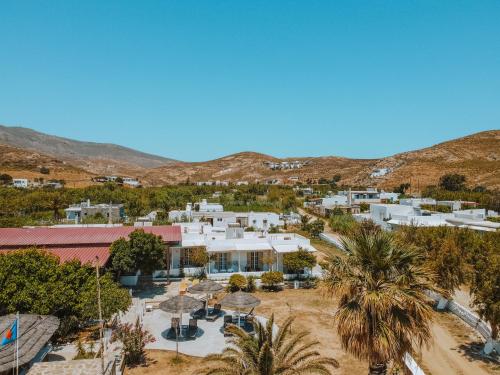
(206, 286)
(240, 300)
(181, 304)
(34, 332)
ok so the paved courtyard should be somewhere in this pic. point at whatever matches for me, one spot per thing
(209, 337)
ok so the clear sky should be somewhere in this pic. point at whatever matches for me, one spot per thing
(196, 80)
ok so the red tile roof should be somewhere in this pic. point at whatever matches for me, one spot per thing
(22, 237)
(83, 254)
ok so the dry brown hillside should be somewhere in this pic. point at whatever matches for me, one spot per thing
(476, 156)
(26, 164)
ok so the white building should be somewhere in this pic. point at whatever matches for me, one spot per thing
(390, 197)
(20, 182)
(132, 182)
(393, 216)
(214, 214)
(380, 172)
(369, 195)
(232, 250)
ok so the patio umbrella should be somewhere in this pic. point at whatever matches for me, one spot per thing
(240, 300)
(206, 287)
(179, 305)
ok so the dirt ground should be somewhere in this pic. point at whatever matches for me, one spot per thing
(455, 349)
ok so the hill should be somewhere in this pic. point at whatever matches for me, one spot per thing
(476, 156)
(101, 158)
(27, 164)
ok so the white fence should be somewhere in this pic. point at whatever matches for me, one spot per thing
(466, 315)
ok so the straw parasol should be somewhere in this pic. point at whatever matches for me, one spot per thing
(181, 304)
(34, 332)
(240, 300)
(206, 287)
(178, 305)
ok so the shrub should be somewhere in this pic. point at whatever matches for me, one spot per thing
(296, 261)
(134, 339)
(272, 280)
(44, 170)
(236, 282)
(250, 287)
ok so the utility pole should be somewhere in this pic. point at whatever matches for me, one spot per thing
(101, 336)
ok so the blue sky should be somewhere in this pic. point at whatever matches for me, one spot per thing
(196, 80)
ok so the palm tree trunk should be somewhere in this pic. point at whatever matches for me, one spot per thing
(377, 369)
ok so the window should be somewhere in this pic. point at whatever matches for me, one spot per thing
(221, 261)
(186, 257)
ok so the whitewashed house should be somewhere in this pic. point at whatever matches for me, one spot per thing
(20, 182)
(214, 214)
(232, 250)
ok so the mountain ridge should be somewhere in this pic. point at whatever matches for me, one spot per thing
(477, 156)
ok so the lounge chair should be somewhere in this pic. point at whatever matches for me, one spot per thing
(214, 313)
(199, 314)
(192, 328)
(228, 320)
(175, 325)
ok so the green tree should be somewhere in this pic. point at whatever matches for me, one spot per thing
(297, 261)
(452, 182)
(122, 258)
(143, 251)
(383, 309)
(401, 189)
(269, 354)
(5, 179)
(444, 251)
(316, 228)
(33, 281)
(342, 224)
(485, 281)
(236, 282)
(113, 298)
(272, 279)
(304, 222)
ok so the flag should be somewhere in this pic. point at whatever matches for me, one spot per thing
(10, 335)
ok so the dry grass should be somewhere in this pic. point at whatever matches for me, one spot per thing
(313, 313)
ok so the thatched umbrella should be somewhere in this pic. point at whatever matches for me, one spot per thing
(34, 332)
(179, 305)
(240, 300)
(206, 287)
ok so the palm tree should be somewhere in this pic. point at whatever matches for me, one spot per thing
(269, 354)
(383, 308)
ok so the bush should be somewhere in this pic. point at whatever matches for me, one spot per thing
(296, 261)
(236, 282)
(272, 280)
(44, 170)
(134, 339)
(342, 224)
(250, 288)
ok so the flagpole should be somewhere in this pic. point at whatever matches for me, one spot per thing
(17, 343)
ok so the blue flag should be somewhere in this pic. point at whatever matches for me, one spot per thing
(10, 335)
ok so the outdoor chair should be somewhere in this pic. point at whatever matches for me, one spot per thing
(228, 320)
(192, 328)
(214, 313)
(199, 314)
(175, 326)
